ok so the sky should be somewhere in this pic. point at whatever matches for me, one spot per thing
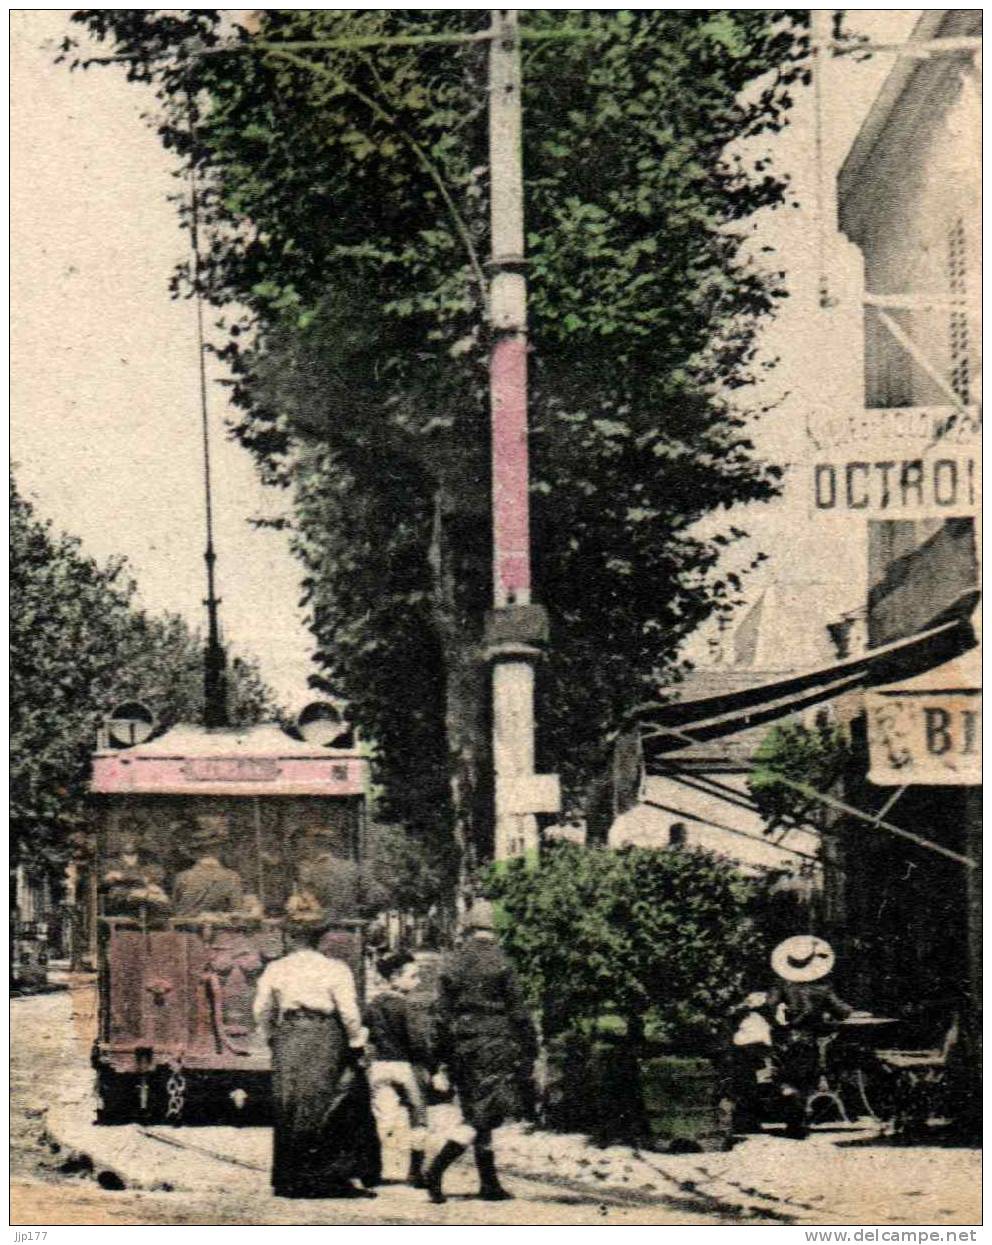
(104, 398)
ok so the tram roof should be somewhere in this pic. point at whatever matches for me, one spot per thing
(242, 761)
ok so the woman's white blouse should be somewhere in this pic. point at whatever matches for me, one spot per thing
(306, 978)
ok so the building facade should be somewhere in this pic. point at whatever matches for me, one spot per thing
(909, 199)
(898, 463)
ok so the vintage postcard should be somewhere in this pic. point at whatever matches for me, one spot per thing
(495, 715)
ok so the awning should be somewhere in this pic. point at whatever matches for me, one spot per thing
(668, 727)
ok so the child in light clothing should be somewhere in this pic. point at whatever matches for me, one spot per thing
(392, 1074)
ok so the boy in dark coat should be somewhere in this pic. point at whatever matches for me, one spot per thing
(394, 1053)
(486, 1039)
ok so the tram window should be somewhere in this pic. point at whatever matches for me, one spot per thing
(267, 839)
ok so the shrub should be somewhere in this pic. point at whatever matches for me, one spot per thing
(663, 938)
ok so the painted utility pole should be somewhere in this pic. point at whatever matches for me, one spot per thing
(516, 627)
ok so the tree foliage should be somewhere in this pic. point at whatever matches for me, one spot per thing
(398, 863)
(78, 645)
(634, 932)
(813, 757)
(344, 200)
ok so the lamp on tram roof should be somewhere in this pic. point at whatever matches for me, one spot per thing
(323, 722)
(129, 723)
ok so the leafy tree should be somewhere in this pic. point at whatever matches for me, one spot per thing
(161, 664)
(343, 198)
(812, 757)
(77, 646)
(398, 863)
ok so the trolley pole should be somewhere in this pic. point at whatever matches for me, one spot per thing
(516, 627)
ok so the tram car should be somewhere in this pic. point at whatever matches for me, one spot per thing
(202, 839)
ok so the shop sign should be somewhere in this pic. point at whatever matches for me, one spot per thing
(924, 738)
(905, 463)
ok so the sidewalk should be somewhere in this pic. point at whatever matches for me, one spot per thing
(843, 1176)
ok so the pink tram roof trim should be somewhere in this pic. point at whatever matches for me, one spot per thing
(249, 761)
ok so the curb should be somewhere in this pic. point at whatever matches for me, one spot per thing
(125, 1155)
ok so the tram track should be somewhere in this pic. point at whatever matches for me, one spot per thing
(574, 1191)
(178, 1144)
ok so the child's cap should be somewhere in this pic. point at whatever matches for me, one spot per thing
(389, 965)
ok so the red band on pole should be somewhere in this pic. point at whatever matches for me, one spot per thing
(511, 512)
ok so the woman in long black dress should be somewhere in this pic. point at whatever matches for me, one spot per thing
(324, 1133)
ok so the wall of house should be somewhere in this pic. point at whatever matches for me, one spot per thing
(907, 917)
(914, 210)
(713, 824)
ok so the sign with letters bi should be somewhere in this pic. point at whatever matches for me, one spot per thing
(905, 463)
(928, 738)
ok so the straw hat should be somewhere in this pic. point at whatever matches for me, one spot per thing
(308, 921)
(480, 915)
(804, 957)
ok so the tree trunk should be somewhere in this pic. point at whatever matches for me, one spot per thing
(633, 1106)
(466, 717)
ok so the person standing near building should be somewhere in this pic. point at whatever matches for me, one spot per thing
(809, 1010)
(306, 1007)
(486, 1040)
(394, 1078)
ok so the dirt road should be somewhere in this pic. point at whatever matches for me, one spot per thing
(50, 1037)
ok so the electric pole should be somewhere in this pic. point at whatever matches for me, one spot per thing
(516, 627)
(214, 658)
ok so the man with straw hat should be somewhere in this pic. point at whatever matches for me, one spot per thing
(132, 883)
(809, 1011)
(486, 1038)
(306, 1006)
(208, 887)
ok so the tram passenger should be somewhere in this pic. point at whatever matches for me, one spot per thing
(132, 882)
(340, 886)
(306, 1007)
(486, 1039)
(208, 887)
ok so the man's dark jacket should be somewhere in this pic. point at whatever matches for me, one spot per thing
(485, 1034)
